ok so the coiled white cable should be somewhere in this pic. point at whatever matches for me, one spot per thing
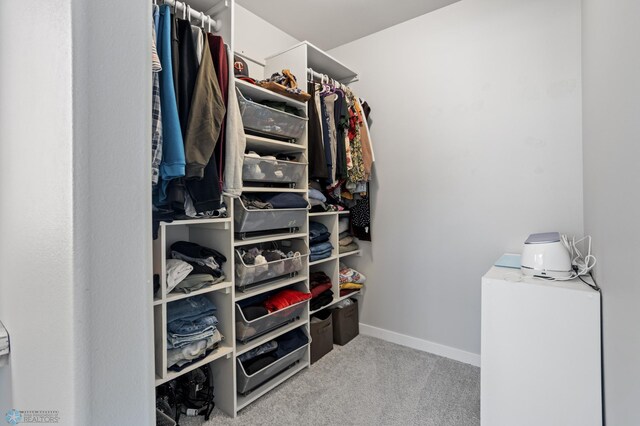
(582, 264)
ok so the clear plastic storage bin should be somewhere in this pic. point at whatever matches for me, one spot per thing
(249, 330)
(249, 220)
(256, 169)
(270, 121)
(247, 382)
(249, 275)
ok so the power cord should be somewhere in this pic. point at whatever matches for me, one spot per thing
(581, 264)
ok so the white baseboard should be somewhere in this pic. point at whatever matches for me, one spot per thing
(421, 345)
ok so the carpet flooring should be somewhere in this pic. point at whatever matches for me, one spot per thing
(368, 382)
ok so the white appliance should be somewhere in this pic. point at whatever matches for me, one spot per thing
(540, 355)
(545, 255)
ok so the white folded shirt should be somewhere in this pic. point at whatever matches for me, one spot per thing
(177, 270)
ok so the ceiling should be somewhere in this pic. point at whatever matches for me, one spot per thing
(332, 23)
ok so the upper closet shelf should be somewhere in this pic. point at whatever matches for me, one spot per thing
(209, 7)
(257, 94)
(324, 63)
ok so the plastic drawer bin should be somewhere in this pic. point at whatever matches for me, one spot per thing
(247, 383)
(256, 169)
(247, 220)
(270, 121)
(250, 275)
(249, 330)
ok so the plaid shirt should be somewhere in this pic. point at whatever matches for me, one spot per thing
(156, 113)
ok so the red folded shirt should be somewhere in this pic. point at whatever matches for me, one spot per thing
(285, 298)
(315, 292)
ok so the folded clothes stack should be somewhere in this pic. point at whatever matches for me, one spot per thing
(346, 241)
(260, 306)
(321, 294)
(267, 263)
(350, 280)
(193, 267)
(318, 202)
(281, 200)
(320, 247)
(192, 331)
(268, 353)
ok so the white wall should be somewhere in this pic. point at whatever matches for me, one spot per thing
(477, 136)
(257, 38)
(611, 128)
(75, 291)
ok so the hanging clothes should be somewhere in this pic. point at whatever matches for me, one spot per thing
(315, 149)
(365, 140)
(326, 139)
(236, 142)
(187, 71)
(172, 165)
(341, 120)
(329, 101)
(205, 121)
(356, 172)
(221, 63)
(156, 112)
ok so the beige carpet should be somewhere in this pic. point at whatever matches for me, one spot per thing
(368, 382)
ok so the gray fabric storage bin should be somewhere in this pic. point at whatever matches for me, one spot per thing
(247, 330)
(256, 169)
(346, 325)
(248, 220)
(248, 382)
(270, 121)
(321, 335)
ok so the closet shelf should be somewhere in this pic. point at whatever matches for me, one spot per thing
(244, 401)
(344, 212)
(272, 146)
(246, 347)
(269, 238)
(350, 253)
(328, 259)
(274, 285)
(172, 297)
(257, 93)
(323, 63)
(222, 351)
(270, 189)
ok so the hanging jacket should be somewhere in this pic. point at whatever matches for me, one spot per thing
(187, 71)
(221, 64)
(236, 143)
(365, 140)
(207, 111)
(317, 160)
(173, 161)
(205, 119)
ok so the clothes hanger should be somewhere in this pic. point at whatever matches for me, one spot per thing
(202, 21)
(186, 16)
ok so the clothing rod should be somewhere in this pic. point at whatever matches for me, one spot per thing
(182, 8)
(324, 77)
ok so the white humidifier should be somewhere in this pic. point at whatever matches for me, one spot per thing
(545, 255)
